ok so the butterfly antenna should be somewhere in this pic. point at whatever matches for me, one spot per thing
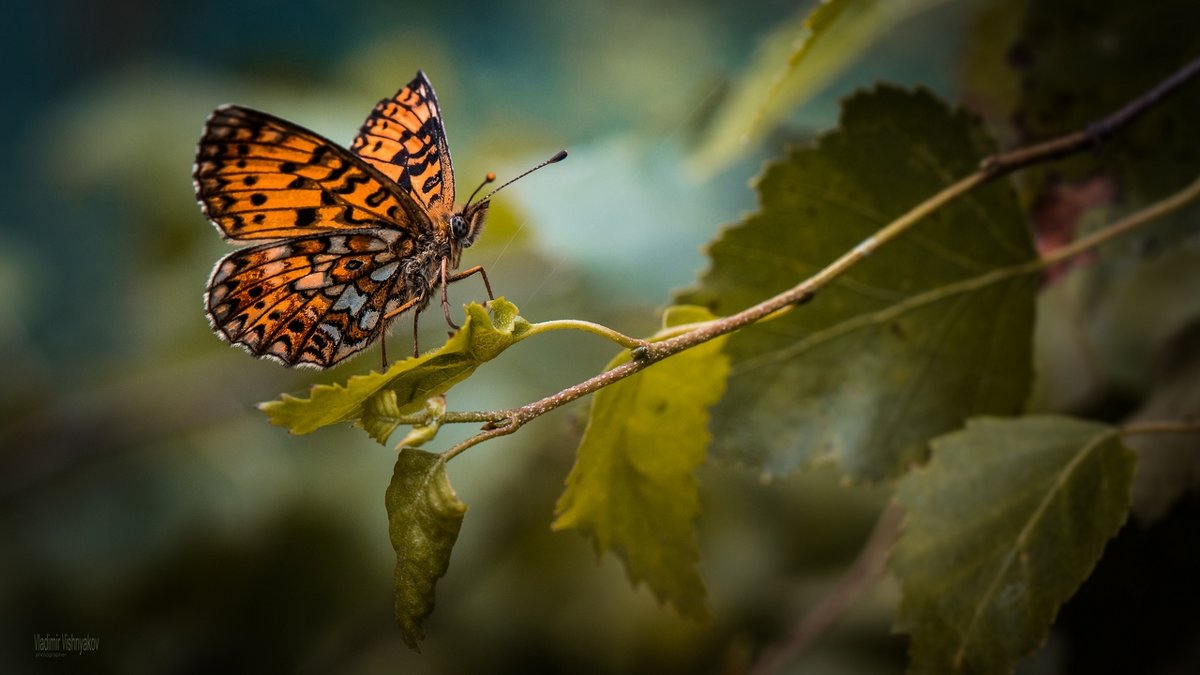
(558, 157)
(491, 177)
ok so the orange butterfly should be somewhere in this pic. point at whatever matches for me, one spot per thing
(352, 238)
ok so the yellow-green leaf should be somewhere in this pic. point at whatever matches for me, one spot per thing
(413, 380)
(381, 415)
(1004, 523)
(424, 516)
(633, 488)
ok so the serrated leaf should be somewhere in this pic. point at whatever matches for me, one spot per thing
(1004, 523)
(381, 415)
(932, 328)
(794, 63)
(633, 489)
(414, 380)
(424, 516)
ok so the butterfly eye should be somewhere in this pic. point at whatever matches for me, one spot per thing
(458, 226)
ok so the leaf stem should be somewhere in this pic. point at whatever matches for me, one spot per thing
(1154, 211)
(646, 354)
(587, 326)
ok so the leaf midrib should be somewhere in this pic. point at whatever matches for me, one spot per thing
(1055, 489)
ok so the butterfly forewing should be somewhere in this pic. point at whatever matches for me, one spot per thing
(405, 140)
(261, 177)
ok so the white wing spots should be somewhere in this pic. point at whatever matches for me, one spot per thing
(351, 300)
(378, 244)
(272, 269)
(277, 253)
(337, 245)
(368, 320)
(384, 273)
(311, 281)
(392, 305)
(332, 331)
(216, 295)
(222, 272)
(278, 348)
(346, 349)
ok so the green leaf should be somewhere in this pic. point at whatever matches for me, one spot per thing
(793, 64)
(633, 489)
(424, 516)
(381, 415)
(929, 330)
(413, 380)
(1004, 524)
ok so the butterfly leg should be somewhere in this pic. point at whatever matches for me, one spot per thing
(447, 279)
(393, 314)
(383, 351)
(445, 299)
(478, 269)
(416, 345)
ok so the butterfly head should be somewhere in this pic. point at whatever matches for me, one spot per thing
(466, 225)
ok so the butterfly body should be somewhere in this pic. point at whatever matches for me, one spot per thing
(343, 241)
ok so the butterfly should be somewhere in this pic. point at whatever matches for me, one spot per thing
(344, 240)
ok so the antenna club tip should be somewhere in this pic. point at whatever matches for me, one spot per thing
(490, 177)
(558, 157)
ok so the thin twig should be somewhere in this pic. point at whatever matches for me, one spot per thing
(452, 417)
(1095, 132)
(990, 168)
(868, 567)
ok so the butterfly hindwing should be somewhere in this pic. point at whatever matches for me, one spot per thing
(261, 177)
(312, 300)
(404, 139)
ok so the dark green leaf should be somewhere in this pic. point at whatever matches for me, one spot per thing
(424, 516)
(934, 327)
(1004, 524)
(413, 380)
(633, 487)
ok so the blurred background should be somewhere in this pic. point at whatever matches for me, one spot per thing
(144, 501)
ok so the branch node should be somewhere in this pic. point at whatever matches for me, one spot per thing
(492, 425)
